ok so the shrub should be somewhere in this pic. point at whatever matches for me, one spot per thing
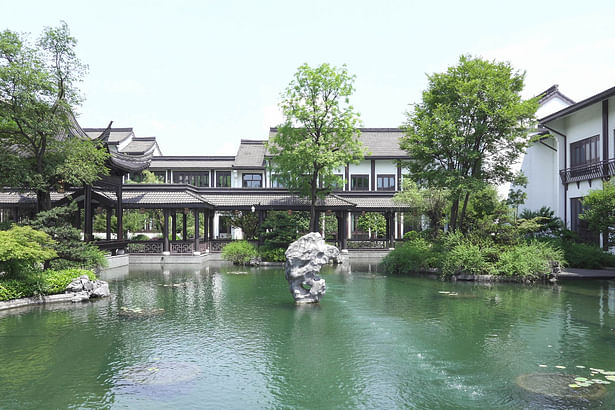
(239, 252)
(140, 237)
(273, 255)
(36, 282)
(467, 258)
(416, 255)
(531, 259)
(582, 255)
(23, 248)
(55, 281)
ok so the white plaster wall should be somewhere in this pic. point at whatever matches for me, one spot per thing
(553, 105)
(364, 167)
(540, 167)
(583, 124)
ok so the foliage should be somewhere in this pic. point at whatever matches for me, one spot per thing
(319, 134)
(71, 250)
(468, 130)
(417, 255)
(528, 259)
(467, 258)
(140, 237)
(22, 249)
(373, 222)
(35, 283)
(56, 281)
(430, 202)
(272, 255)
(145, 177)
(38, 95)
(599, 212)
(280, 228)
(247, 221)
(582, 255)
(548, 224)
(239, 252)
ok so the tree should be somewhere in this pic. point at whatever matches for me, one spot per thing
(430, 202)
(470, 127)
(23, 248)
(373, 222)
(247, 221)
(38, 146)
(599, 212)
(319, 134)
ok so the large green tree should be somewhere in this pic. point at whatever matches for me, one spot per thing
(39, 145)
(319, 134)
(470, 127)
(599, 212)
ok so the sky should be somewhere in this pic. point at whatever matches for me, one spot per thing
(202, 75)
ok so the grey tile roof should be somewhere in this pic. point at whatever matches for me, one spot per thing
(26, 198)
(251, 153)
(375, 203)
(379, 142)
(273, 200)
(168, 198)
(383, 142)
(192, 162)
(139, 145)
(116, 135)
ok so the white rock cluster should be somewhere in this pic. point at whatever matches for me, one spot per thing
(85, 289)
(304, 258)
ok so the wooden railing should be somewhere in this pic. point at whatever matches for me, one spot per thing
(601, 169)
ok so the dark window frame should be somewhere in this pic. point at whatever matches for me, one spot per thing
(580, 226)
(225, 174)
(190, 177)
(381, 178)
(248, 183)
(585, 151)
(353, 184)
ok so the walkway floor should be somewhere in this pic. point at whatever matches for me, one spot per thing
(574, 273)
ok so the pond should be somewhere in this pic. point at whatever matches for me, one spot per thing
(223, 337)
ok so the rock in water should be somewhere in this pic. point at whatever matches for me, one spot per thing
(304, 258)
(85, 289)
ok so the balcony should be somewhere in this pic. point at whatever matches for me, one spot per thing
(601, 169)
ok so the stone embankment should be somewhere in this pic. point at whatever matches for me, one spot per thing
(79, 290)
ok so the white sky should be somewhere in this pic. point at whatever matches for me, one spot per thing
(201, 75)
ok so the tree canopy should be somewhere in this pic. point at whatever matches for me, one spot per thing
(599, 212)
(470, 127)
(319, 134)
(38, 96)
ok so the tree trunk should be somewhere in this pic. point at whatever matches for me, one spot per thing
(43, 201)
(313, 219)
(605, 240)
(463, 211)
(454, 210)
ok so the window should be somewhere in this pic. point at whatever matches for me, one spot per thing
(359, 182)
(385, 183)
(223, 179)
(578, 225)
(585, 152)
(252, 180)
(196, 178)
(275, 182)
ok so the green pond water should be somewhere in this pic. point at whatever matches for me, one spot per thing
(222, 337)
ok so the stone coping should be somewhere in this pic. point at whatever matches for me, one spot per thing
(38, 300)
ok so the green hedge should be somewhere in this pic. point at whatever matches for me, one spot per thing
(273, 255)
(239, 252)
(456, 254)
(40, 283)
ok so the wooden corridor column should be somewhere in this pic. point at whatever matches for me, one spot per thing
(119, 214)
(165, 230)
(87, 204)
(196, 230)
(108, 233)
(184, 226)
(174, 225)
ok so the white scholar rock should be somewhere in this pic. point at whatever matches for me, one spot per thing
(304, 258)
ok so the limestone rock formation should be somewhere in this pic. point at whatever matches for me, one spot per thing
(85, 289)
(304, 258)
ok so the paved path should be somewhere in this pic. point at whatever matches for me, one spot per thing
(574, 273)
